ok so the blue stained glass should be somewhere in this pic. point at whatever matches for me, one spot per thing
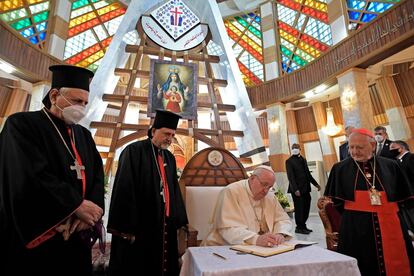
(42, 36)
(244, 16)
(367, 17)
(257, 19)
(28, 32)
(284, 66)
(289, 70)
(378, 7)
(34, 40)
(353, 15)
(41, 27)
(251, 14)
(356, 4)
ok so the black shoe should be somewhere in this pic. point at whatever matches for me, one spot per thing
(302, 231)
(309, 230)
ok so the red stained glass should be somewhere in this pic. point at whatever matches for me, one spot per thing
(89, 51)
(248, 73)
(316, 14)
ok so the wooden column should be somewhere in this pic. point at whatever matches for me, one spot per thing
(355, 100)
(58, 27)
(327, 145)
(393, 108)
(278, 142)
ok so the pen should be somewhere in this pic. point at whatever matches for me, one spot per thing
(220, 256)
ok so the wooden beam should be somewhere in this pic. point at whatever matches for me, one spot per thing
(144, 100)
(146, 75)
(167, 53)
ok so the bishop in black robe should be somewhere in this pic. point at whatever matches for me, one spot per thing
(138, 210)
(39, 191)
(361, 234)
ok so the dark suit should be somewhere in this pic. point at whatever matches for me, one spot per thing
(343, 151)
(385, 152)
(299, 180)
(407, 208)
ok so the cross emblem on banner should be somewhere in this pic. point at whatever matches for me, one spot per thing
(177, 18)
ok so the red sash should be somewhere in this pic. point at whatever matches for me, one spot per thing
(393, 244)
(165, 185)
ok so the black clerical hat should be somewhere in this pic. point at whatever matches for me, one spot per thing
(165, 119)
(68, 76)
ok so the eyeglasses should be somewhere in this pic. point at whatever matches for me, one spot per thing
(266, 186)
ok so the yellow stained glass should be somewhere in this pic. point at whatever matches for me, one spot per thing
(317, 5)
(10, 5)
(31, 2)
(91, 59)
(82, 19)
(108, 9)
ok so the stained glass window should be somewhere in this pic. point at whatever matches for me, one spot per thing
(361, 12)
(91, 27)
(304, 32)
(29, 18)
(246, 35)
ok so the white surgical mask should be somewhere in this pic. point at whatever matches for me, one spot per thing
(72, 114)
(378, 138)
(295, 151)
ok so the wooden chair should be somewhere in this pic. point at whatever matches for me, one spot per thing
(203, 177)
(331, 220)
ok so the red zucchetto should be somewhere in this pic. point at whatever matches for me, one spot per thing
(363, 131)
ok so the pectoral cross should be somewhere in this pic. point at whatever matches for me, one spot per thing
(78, 168)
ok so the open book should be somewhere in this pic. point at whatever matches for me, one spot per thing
(270, 251)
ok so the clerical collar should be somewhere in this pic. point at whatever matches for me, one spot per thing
(403, 155)
(156, 149)
(57, 121)
(371, 160)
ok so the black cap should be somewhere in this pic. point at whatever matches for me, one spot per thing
(165, 119)
(68, 76)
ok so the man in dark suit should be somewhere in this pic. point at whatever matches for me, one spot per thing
(344, 149)
(383, 144)
(401, 152)
(299, 186)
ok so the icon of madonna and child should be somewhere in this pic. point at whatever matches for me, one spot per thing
(173, 88)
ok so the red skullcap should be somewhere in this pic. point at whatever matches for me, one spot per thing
(363, 131)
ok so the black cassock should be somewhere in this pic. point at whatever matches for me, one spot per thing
(358, 235)
(138, 209)
(38, 191)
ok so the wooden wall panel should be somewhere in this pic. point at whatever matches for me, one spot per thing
(371, 44)
(32, 62)
(305, 120)
(5, 94)
(405, 86)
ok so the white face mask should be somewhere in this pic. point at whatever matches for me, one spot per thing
(72, 114)
(295, 151)
(378, 138)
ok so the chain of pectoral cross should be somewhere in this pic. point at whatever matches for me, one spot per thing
(76, 166)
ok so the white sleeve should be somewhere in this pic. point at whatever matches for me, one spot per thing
(238, 235)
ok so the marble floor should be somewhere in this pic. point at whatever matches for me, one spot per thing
(318, 235)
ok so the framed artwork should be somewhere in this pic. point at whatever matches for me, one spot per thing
(173, 87)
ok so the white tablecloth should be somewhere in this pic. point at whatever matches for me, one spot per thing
(311, 260)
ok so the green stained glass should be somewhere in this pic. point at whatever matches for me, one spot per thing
(79, 4)
(285, 51)
(21, 24)
(255, 31)
(40, 17)
(299, 61)
(13, 15)
(241, 21)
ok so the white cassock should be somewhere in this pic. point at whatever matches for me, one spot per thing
(236, 214)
